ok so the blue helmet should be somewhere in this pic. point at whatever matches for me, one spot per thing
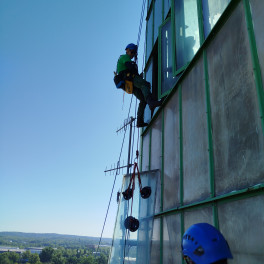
(132, 46)
(204, 244)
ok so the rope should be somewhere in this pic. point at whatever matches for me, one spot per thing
(141, 21)
(100, 240)
(138, 40)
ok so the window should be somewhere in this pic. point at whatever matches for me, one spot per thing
(186, 30)
(167, 80)
(212, 10)
(148, 77)
(149, 3)
(167, 6)
(149, 35)
(151, 73)
(157, 18)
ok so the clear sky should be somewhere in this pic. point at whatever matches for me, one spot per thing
(59, 110)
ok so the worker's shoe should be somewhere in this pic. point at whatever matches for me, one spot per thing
(153, 103)
(141, 123)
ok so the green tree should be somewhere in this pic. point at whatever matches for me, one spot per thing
(13, 257)
(72, 260)
(26, 255)
(102, 259)
(57, 257)
(87, 260)
(4, 259)
(46, 254)
(34, 258)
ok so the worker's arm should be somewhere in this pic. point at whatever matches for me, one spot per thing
(132, 67)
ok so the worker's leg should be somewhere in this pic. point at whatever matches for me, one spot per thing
(142, 105)
(143, 85)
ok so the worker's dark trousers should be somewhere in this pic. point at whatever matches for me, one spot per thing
(141, 89)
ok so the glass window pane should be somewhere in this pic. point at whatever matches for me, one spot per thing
(149, 2)
(241, 223)
(149, 72)
(167, 79)
(145, 153)
(155, 243)
(138, 245)
(149, 37)
(157, 18)
(236, 124)
(257, 8)
(171, 187)
(202, 215)
(212, 10)
(167, 5)
(156, 137)
(172, 239)
(187, 31)
(195, 137)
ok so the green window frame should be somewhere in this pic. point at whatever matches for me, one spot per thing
(186, 35)
(166, 78)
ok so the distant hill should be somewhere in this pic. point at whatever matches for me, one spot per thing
(23, 240)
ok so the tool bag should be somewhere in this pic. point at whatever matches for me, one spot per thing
(125, 83)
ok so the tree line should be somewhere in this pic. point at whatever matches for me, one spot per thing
(24, 240)
(61, 255)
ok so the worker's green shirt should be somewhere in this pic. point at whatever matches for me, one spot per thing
(121, 64)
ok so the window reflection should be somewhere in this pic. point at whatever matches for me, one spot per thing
(167, 6)
(157, 18)
(212, 10)
(187, 31)
(147, 113)
(167, 79)
(149, 36)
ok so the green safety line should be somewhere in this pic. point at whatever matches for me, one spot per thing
(255, 60)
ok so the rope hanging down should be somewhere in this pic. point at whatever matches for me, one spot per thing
(138, 41)
(100, 240)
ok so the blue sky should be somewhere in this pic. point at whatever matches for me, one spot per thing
(59, 110)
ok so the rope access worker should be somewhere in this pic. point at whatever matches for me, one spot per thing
(204, 244)
(127, 70)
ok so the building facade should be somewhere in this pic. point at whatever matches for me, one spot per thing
(207, 139)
